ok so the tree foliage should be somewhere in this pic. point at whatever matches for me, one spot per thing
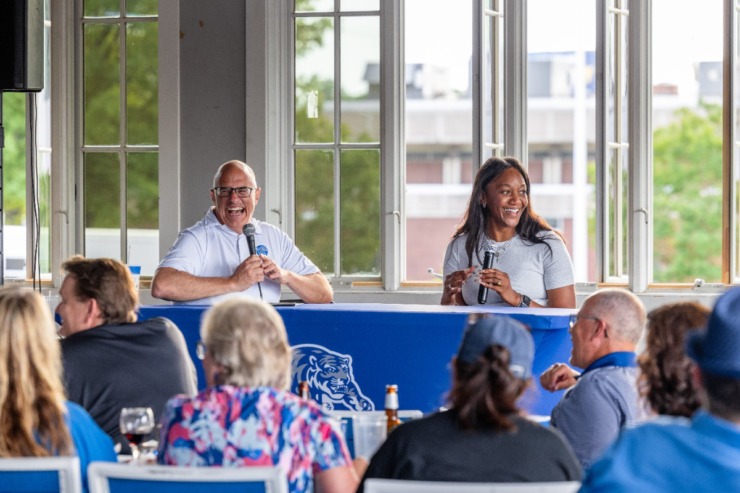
(687, 202)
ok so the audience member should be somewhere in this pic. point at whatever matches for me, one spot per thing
(665, 381)
(211, 260)
(247, 413)
(603, 399)
(110, 360)
(484, 436)
(677, 454)
(35, 418)
(530, 267)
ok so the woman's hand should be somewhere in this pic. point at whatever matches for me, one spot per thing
(452, 292)
(498, 280)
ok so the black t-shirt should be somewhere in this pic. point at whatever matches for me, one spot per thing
(435, 448)
(140, 364)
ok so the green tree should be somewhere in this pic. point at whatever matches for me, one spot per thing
(14, 158)
(687, 201)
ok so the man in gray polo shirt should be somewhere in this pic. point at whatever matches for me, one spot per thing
(603, 398)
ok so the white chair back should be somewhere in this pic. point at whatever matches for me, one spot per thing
(403, 486)
(40, 475)
(105, 477)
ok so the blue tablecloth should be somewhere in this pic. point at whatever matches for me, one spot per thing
(349, 352)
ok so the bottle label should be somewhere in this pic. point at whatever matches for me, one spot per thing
(391, 401)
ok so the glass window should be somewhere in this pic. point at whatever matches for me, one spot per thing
(687, 141)
(120, 144)
(561, 77)
(337, 146)
(439, 129)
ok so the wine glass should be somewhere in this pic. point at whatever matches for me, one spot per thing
(136, 423)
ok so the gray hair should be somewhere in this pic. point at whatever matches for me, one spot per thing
(248, 338)
(622, 310)
(239, 164)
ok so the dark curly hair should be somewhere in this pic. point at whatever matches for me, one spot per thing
(474, 220)
(485, 392)
(665, 380)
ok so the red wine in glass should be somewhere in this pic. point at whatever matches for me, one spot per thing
(136, 423)
(135, 438)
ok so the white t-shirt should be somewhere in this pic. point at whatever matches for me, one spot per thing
(210, 249)
(533, 268)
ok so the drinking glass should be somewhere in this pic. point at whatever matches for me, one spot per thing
(136, 423)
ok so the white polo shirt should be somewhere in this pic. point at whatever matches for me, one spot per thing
(211, 249)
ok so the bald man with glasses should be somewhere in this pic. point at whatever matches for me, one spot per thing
(602, 399)
(212, 260)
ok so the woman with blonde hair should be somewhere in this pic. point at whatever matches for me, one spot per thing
(246, 416)
(35, 418)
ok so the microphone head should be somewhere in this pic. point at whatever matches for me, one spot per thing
(248, 229)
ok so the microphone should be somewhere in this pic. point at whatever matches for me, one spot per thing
(248, 231)
(482, 290)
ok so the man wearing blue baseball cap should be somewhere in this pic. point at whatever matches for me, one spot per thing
(677, 454)
(483, 437)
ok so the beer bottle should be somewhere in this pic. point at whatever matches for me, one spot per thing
(303, 392)
(391, 407)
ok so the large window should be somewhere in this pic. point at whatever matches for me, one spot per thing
(118, 141)
(336, 140)
(628, 166)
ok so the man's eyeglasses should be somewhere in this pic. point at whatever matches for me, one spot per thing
(242, 192)
(200, 350)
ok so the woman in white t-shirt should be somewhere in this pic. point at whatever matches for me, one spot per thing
(529, 264)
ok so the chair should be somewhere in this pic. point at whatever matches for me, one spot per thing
(347, 419)
(40, 475)
(106, 477)
(404, 486)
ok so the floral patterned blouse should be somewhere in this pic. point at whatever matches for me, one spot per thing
(238, 426)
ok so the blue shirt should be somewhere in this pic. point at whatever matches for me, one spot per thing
(671, 454)
(91, 443)
(604, 400)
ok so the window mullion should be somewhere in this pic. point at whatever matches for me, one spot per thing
(122, 132)
(730, 144)
(515, 86)
(640, 258)
(392, 144)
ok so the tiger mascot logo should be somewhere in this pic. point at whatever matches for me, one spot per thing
(330, 378)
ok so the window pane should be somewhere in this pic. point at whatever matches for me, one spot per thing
(142, 7)
(360, 212)
(314, 5)
(14, 185)
(314, 80)
(360, 77)
(314, 210)
(102, 88)
(102, 205)
(359, 5)
(102, 8)
(687, 140)
(561, 124)
(439, 126)
(142, 83)
(142, 211)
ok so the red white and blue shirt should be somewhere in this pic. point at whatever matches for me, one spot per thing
(237, 426)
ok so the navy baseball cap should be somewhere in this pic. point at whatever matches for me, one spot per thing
(717, 348)
(503, 330)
